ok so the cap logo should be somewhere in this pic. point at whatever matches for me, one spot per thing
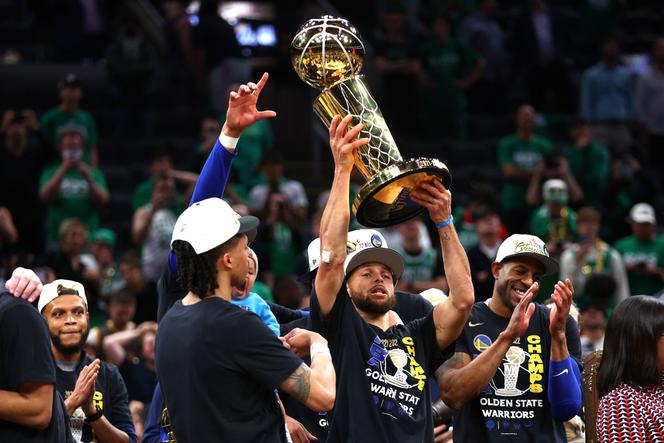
(351, 246)
(376, 241)
(530, 246)
(183, 227)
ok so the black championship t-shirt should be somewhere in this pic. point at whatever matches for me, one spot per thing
(110, 396)
(218, 366)
(514, 407)
(25, 356)
(382, 389)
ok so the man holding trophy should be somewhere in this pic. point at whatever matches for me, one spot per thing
(382, 363)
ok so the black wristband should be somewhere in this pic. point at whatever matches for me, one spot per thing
(94, 417)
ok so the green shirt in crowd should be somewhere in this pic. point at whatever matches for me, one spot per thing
(283, 251)
(424, 266)
(73, 200)
(634, 251)
(56, 117)
(590, 167)
(143, 195)
(524, 155)
(560, 229)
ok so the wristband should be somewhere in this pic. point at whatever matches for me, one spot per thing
(228, 142)
(318, 348)
(94, 417)
(446, 222)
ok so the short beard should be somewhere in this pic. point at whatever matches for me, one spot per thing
(369, 306)
(70, 349)
(505, 296)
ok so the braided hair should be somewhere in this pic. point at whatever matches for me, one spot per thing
(198, 272)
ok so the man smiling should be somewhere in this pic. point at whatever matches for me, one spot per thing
(515, 372)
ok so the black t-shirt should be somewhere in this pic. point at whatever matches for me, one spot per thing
(146, 303)
(382, 389)
(218, 366)
(140, 379)
(110, 396)
(25, 356)
(514, 406)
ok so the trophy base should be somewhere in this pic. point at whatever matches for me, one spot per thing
(384, 200)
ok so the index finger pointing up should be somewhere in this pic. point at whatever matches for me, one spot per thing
(262, 81)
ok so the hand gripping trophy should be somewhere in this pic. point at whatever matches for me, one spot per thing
(327, 53)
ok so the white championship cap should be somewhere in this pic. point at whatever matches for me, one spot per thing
(433, 295)
(358, 241)
(520, 245)
(369, 246)
(642, 213)
(60, 287)
(210, 223)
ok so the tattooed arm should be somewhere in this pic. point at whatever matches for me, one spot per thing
(461, 379)
(313, 386)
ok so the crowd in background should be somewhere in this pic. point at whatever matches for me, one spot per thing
(589, 183)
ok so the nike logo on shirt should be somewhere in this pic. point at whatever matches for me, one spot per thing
(564, 371)
(472, 325)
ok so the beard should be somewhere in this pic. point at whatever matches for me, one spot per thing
(70, 349)
(366, 304)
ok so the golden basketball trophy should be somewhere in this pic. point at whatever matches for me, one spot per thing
(327, 53)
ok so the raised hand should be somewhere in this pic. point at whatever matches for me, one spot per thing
(435, 198)
(343, 142)
(520, 319)
(562, 300)
(298, 432)
(84, 389)
(24, 283)
(242, 111)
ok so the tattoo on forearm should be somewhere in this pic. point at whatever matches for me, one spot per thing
(446, 236)
(299, 383)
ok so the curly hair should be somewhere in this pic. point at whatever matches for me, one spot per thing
(198, 272)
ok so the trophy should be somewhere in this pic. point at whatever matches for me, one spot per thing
(327, 53)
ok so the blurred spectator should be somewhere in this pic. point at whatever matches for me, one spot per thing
(181, 58)
(483, 33)
(453, 68)
(607, 100)
(483, 254)
(66, 262)
(398, 65)
(209, 133)
(131, 62)
(161, 165)
(540, 41)
(591, 328)
(152, 226)
(589, 163)
(8, 231)
(630, 381)
(553, 167)
(138, 371)
(142, 291)
(554, 221)
(68, 112)
(21, 161)
(649, 104)
(121, 309)
(518, 156)
(482, 198)
(592, 257)
(72, 188)
(102, 246)
(643, 252)
(99, 410)
(218, 56)
(289, 292)
(423, 267)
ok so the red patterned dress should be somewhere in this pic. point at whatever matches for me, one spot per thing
(632, 414)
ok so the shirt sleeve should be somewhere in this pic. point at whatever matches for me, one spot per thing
(260, 353)
(214, 175)
(265, 313)
(99, 179)
(152, 431)
(118, 413)
(504, 153)
(25, 338)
